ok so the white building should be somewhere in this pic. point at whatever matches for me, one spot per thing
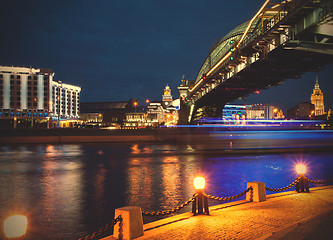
(29, 93)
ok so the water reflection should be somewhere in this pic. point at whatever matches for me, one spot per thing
(68, 191)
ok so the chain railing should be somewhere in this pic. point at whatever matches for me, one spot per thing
(284, 188)
(229, 198)
(320, 181)
(103, 229)
(193, 199)
(166, 212)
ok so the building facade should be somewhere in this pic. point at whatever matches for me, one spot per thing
(167, 97)
(317, 99)
(29, 93)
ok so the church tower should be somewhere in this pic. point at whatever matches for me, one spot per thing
(167, 97)
(317, 99)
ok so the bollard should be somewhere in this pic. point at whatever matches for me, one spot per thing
(132, 224)
(303, 181)
(258, 193)
(303, 184)
(201, 201)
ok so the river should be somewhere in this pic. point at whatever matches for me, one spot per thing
(69, 191)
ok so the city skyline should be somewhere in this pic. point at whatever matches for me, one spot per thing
(127, 49)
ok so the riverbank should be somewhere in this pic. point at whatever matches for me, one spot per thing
(172, 135)
(287, 215)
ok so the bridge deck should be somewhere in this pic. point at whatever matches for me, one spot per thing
(287, 215)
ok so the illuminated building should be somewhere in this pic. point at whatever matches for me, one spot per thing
(317, 99)
(260, 111)
(32, 94)
(256, 111)
(183, 89)
(155, 114)
(167, 97)
(232, 112)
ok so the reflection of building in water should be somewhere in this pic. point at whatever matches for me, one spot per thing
(140, 176)
(317, 99)
(172, 182)
(62, 185)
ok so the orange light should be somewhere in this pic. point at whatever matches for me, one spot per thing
(100, 115)
(199, 183)
(275, 110)
(301, 169)
(15, 226)
(147, 101)
(135, 103)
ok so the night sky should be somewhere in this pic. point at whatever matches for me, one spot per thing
(120, 49)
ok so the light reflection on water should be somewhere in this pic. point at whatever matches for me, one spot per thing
(68, 191)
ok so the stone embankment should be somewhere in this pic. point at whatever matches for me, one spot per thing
(288, 215)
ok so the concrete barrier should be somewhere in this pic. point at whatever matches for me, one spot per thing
(132, 224)
(258, 194)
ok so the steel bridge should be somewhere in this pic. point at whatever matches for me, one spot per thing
(283, 40)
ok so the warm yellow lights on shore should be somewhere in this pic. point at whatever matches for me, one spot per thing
(199, 183)
(300, 169)
(15, 226)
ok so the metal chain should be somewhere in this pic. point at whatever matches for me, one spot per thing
(284, 188)
(103, 229)
(320, 181)
(229, 198)
(176, 209)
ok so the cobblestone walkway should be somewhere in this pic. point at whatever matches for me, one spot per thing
(247, 220)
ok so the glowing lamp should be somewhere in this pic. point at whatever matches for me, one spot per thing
(199, 183)
(301, 169)
(15, 226)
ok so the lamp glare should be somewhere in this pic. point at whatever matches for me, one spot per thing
(15, 226)
(301, 169)
(199, 183)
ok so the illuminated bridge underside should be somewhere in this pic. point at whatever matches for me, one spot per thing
(281, 64)
(280, 42)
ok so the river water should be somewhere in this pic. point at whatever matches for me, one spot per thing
(69, 191)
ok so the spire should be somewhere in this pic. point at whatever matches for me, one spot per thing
(317, 84)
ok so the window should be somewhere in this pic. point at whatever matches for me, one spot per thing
(11, 76)
(29, 77)
(35, 77)
(1, 76)
(18, 77)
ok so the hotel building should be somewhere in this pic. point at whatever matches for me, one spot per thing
(28, 93)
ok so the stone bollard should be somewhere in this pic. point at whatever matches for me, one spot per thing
(258, 194)
(132, 224)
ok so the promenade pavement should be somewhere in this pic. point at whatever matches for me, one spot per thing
(287, 215)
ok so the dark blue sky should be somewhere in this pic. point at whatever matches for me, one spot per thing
(121, 49)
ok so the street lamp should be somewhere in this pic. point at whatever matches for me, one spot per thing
(303, 183)
(201, 200)
(135, 104)
(15, 226)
